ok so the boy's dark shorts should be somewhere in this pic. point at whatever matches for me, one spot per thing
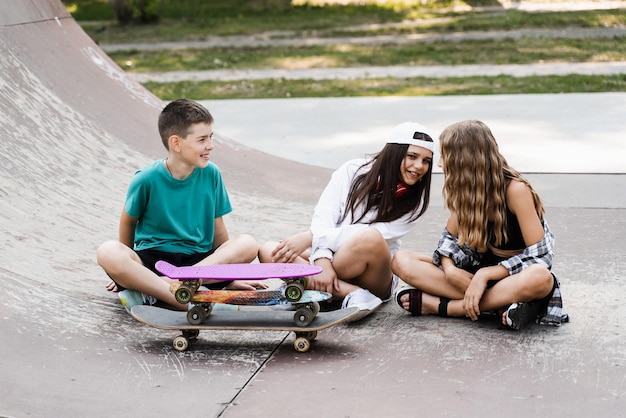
(150, 257)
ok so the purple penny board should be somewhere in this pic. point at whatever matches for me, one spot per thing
(238, 271)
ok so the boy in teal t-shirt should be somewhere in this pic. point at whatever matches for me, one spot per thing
(174, 212)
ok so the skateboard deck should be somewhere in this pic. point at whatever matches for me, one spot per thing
(253, 297)
(294, 275)
(259, 271)
(240, 320)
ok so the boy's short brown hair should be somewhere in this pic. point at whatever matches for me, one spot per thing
(178, 116)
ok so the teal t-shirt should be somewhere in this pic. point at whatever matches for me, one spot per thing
(176, 216)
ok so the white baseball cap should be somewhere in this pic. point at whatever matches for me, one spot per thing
(413, 134)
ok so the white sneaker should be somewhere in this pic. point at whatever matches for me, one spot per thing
(362, 299)
(395, 280)
(130, 298)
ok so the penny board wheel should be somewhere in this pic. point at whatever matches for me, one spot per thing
(294, 292)
(183, 294)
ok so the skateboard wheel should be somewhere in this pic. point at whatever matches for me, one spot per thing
(183, 294)
(303, 317)
(302, 345)
(181, 343)
(315, 307)
(196, 315)
(294, 292)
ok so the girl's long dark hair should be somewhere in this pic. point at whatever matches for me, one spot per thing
(376, 189)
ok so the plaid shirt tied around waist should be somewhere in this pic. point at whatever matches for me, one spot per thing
(539, 253)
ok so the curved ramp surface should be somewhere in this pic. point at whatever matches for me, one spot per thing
(74, 128)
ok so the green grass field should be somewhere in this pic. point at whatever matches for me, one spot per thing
(192, 20)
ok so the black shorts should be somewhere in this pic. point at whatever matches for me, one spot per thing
(150, 257)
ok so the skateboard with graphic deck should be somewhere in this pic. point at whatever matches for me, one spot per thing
(294, 276)
(242, 320)
(307, 307)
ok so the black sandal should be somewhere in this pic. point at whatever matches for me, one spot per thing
(443, 307)
(415, 300)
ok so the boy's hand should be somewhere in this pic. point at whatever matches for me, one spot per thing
(247, 285)
(112, 286)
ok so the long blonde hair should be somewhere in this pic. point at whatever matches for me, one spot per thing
(476, 178)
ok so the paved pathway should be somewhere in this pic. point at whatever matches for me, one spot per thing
(400, 71)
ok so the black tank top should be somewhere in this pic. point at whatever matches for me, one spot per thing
(515, 240)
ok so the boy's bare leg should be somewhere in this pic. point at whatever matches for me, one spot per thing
(265, 251)
(125, 267)
(240, 249)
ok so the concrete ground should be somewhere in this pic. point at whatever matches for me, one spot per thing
(74, 130)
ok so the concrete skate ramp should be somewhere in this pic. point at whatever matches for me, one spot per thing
(73, 128)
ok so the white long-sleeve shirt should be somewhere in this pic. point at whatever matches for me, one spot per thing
(330, 232)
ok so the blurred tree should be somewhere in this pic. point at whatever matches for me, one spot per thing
(142, 11)
(149, 11)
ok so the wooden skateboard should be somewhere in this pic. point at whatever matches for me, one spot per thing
(240, 320)
(294, 276)
(307, 306)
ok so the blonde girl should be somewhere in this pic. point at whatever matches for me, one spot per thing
(496, 251)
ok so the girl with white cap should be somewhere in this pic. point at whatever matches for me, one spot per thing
(368, 205)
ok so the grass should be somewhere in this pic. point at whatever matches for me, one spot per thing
(348, 21)
(280, 88)
(507, 51)
(194, 19)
